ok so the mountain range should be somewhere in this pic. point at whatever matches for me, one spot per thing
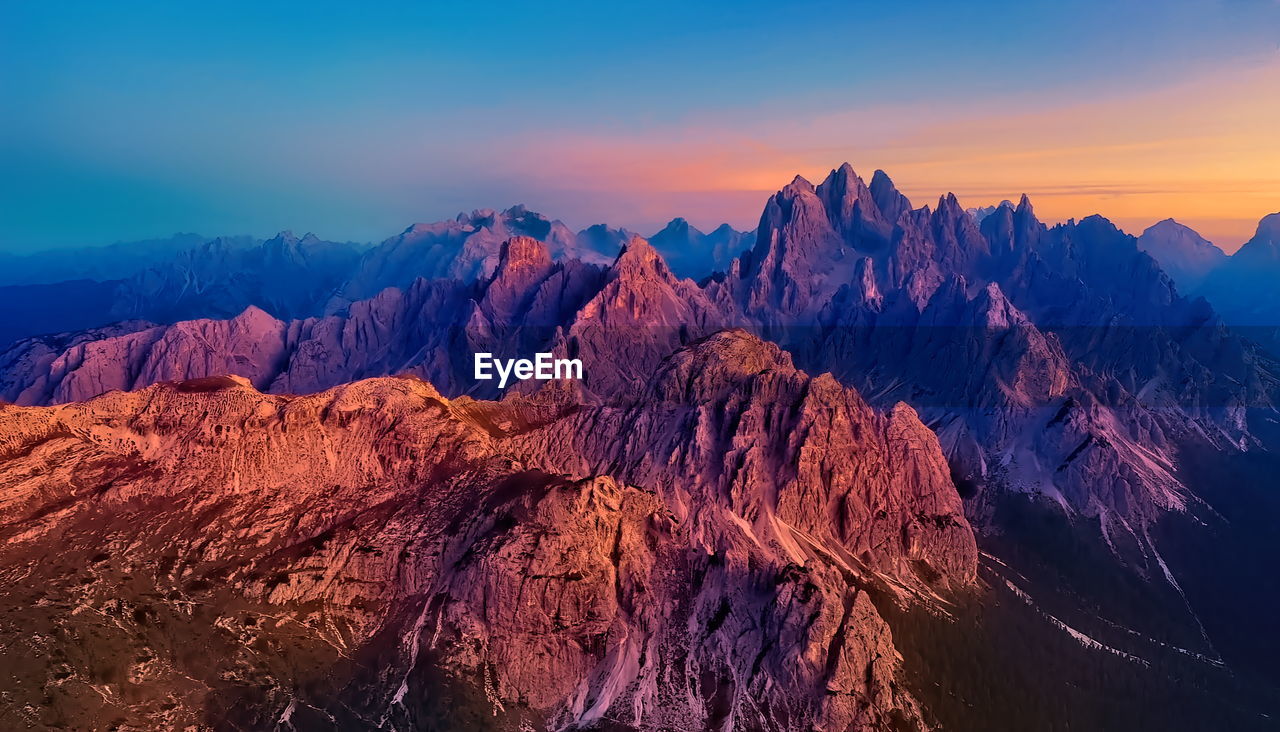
(806, 472)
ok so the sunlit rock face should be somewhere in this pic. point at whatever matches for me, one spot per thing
(344, 559)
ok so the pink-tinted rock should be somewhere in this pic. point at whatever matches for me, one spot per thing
(546, 575)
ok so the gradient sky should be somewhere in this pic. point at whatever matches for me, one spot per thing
(129, 120)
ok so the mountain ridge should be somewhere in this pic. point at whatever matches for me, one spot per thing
(846, 410)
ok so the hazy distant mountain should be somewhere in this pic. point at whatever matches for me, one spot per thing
(691, 253)
(1188, 257)
(112, 262)
(604, 240)
(1264, 247)
(286, 275)
(1244, 288)
(218, 278)
(465, 248)
(981, 212)
(188, 276)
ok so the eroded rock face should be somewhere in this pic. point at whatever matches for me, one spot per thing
(1057, 361)
(252, 345)
(640, 314)
(729, 423)
(379, 555)
(798, 259)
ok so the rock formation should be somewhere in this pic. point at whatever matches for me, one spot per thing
(379, 555)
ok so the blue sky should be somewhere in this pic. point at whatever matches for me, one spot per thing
(130, 120)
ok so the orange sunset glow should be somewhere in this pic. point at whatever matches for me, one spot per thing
(1203, 150)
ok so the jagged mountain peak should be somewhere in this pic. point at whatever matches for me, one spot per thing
(679, 232)
(464, 248)
(219, 244)
(254, 314)
(528, 222)
(1170, 227)
(523, 248)
(843, 178)
(797, 187)
(981, 213)
(950, 213)
(1169, 224)
(517, 216)
(996, 311)
(1024, 203)
(704, 370)
(853, 210)
(733, 349)
(1096, 221)
(892, 203)
(288, 246)
(422, 227)
(522, 253)
(638, 255)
